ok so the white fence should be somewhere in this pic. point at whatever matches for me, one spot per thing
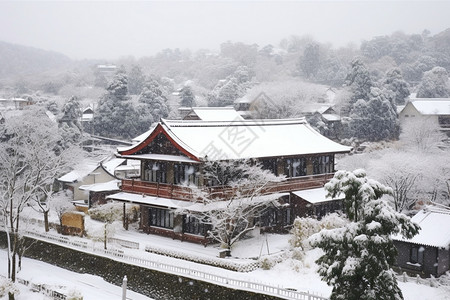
(41, 288)
(187, 272)
(432, 281)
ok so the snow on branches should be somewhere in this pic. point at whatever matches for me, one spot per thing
(236, 197)
(358, 257)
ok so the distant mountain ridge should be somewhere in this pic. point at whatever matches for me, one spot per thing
(17, 60)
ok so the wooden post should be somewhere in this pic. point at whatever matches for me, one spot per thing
(124, 217)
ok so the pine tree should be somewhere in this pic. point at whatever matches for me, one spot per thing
(434, 84)
(152, 99)
(358, 257)
(228, 90)
(136, 80)
(394, 81)
(359, 81)
(71, 113)
(116, 115)
(375, 119)
(309, 63)
(69, 124)
(187, 98)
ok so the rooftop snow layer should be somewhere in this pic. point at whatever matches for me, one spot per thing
(79, 173)
(315, 195)
(434, 230)
(109, 186)
(112, 164)
(250, 138)
(432, 106)
(217, 113)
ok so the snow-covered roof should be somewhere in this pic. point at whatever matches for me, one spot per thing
(109, 186)
(216, 113)
(314, 196)
(242, 139)
(79, 173)
(331, 117)
(432, 106)
(244, 99)
(162, 157)
(112, 164)
(51, 116)
(150, 200)
(434, 230)
(316, 107)
(13, 100)
(142, 137)
(87, 117)
(185, 205)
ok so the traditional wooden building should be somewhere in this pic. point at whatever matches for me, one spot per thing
(174, 153)
(90, 183)
(427, 253)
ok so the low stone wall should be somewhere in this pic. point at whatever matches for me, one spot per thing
(154, 284)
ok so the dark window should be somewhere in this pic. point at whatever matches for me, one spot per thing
(155, 171)
(416, 256)
(444, 121)
(160, 217)
(270, 164)
(321, 210)
(193, 225)
(323, 164)
(295, 167)
(185, 174)
(272, 217)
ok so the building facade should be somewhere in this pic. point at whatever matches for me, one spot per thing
(173, 157)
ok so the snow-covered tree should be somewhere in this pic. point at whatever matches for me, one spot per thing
(376, 119)
(187, 98)
(116, 115)
(240, 198)
(434, 84)
(136, 80)
(152, 104)
(423, 135)
(309, 62)
(403, 173)
(60, 204)
(303, 228)
(69, 122)
(29, 161)
(71, 112)
(233, 87)
(358, 257)
(240, 52)
(359, 81)
(394, 81)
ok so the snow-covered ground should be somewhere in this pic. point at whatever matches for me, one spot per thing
(289, 273)
(58, 279)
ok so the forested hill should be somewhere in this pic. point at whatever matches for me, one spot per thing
(17, 60)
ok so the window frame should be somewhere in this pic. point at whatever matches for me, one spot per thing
(160, 217)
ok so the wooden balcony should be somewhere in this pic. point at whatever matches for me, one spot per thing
(178, 192)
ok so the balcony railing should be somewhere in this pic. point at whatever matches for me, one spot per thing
(178, 192)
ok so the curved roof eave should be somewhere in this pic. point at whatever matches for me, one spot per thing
(164, 129)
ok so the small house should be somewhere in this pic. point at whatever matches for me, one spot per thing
(435, 110)
(92, 182)
(427, 253)
(314, 202)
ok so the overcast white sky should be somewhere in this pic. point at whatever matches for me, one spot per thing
(82, 29)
